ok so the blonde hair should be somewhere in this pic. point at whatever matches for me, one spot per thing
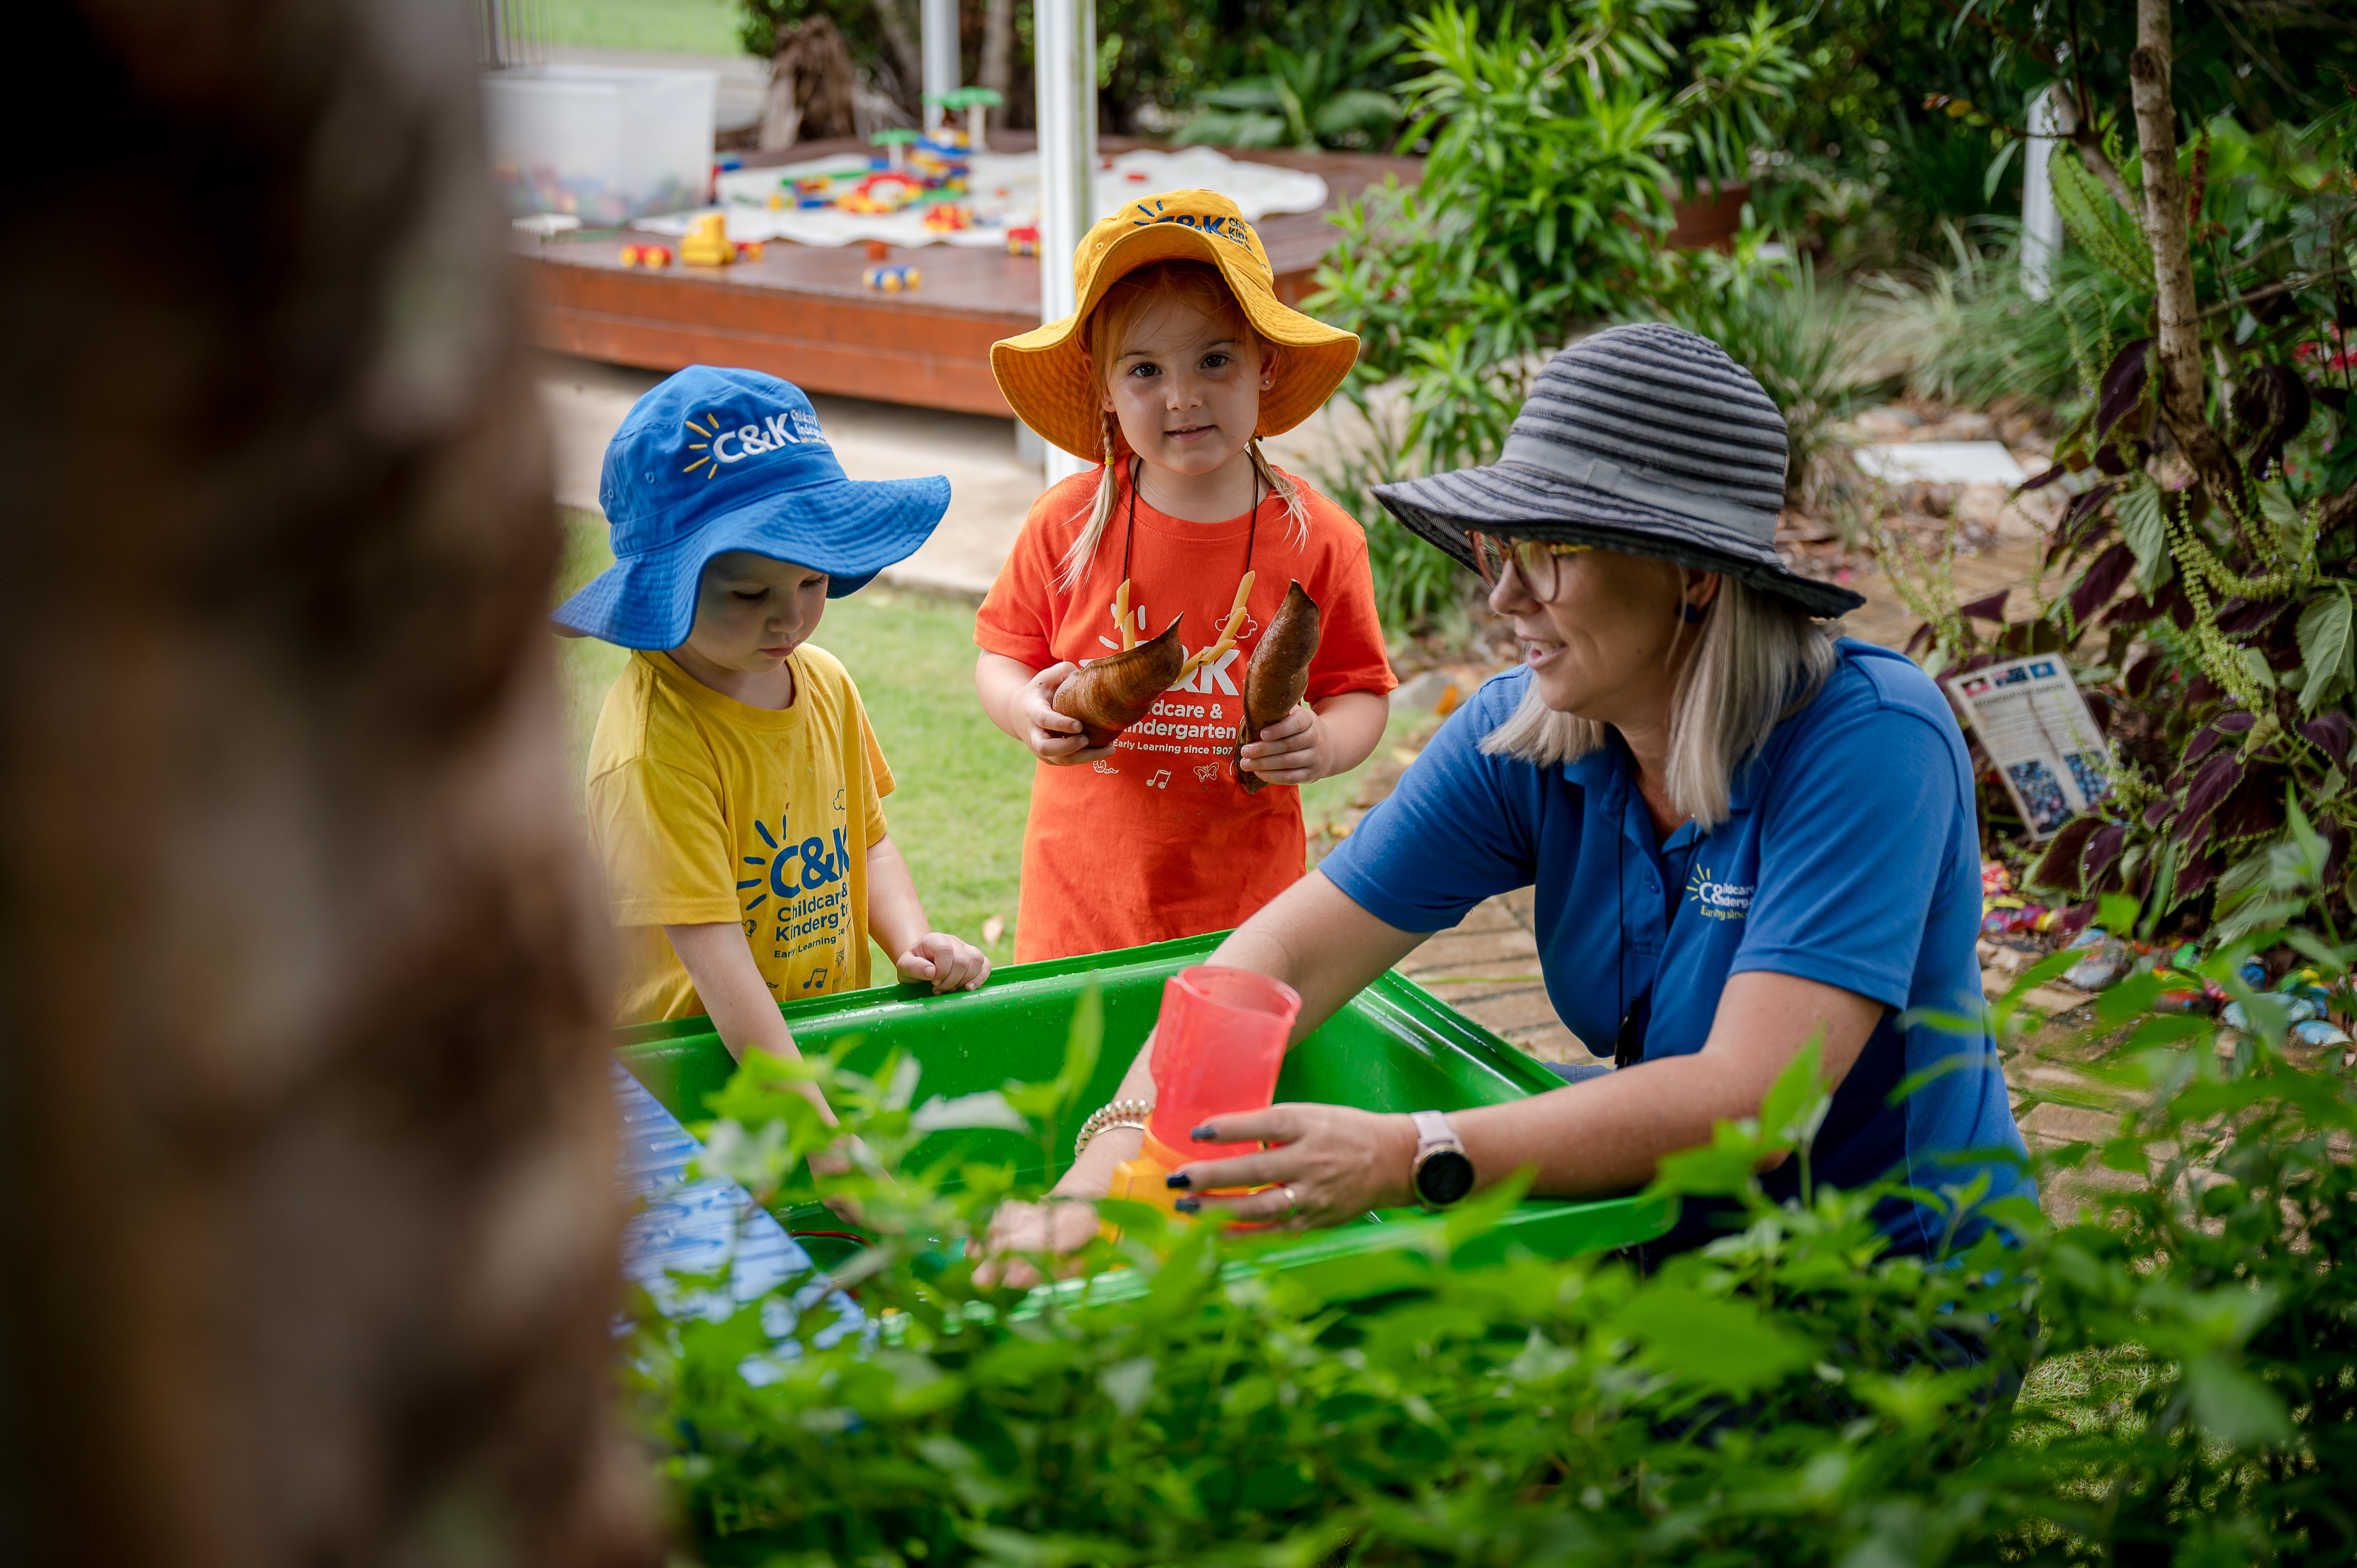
(1756, 661)
(1160, 284)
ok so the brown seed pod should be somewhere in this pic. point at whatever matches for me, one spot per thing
(1113, 692)
(1277, 675)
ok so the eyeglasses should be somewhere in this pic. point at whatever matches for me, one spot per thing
(1535, 559)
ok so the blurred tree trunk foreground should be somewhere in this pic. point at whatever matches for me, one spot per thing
(309, 1217)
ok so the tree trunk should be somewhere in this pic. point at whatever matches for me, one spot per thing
(811, 84)
(305, 1185)
(2165, 225)
(899, 21)
(998, 48)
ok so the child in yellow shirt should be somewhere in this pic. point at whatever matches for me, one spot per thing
(736, 790)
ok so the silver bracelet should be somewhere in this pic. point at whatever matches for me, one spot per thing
(1105, 1118)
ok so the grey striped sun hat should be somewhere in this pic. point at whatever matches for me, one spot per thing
(1644, 439)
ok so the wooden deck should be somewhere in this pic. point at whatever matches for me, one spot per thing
(800, 312)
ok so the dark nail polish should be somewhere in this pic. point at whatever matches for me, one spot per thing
(1180, 1180)
(1188, 1205)
(1202, 1134)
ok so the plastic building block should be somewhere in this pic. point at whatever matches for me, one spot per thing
(897, 279)
(895, 141)
(886, 191)
(707, 245)
(1023, 240)
(646, 255)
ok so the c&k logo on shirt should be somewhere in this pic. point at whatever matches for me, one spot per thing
(1718, 900)
(793, 869)
(789, 429)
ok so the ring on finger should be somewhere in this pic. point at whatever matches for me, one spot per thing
(1292, 1203)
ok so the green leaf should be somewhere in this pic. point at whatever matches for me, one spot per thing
(1081, 1044)
(2169, 1028)
(1719, 1343)
(987, 1109)
(1796, 1102)
(2325, 645)
(1996, 169)
(2132, 996)
(2277, 506)
(2146, 529)
(1127, 1384)
(2116, 912)
(2232, 1406)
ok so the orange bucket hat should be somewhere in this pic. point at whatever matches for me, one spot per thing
(1044, 375)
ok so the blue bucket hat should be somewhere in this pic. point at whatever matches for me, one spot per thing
(715, 460)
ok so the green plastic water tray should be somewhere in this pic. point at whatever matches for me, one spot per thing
(1394, 1048)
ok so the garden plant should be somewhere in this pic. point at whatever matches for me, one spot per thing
(2171, 1374)
(2212, 469)
(1554, 155)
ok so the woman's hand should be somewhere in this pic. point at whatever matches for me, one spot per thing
(1053, 737)
(1019, 1231)
(951, 962)
(1296, 749)
(1330, 1164)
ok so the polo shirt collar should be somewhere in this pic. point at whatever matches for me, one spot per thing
(1605, 769)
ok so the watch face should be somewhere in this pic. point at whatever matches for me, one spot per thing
(1444, 1177)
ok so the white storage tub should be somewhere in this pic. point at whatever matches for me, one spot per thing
(600, 144)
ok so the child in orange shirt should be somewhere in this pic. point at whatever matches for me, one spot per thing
(1178, 359)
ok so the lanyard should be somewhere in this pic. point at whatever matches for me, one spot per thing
(1129, 532)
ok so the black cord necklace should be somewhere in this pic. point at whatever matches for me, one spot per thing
(1129, 532)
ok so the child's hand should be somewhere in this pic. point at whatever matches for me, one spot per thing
(949, 963)
(1052, 736)
(847, 1208)
(1292, 750)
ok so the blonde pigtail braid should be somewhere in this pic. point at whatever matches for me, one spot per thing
(1296, 510)
(1080, 559)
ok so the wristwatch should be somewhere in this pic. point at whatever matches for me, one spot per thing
(1442, 1173)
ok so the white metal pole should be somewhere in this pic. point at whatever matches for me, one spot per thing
(1065, 39)
(2042, 223)
(937, 43)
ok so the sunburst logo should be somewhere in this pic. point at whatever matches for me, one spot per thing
(703, 446)
(761, 876)
(1718, 900)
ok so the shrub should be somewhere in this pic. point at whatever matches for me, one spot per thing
(1789, 1394)
(1542, 205)
(1971, 335)
(2208, 607)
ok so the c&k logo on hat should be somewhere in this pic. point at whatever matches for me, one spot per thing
(1235, 230)
(790, 428)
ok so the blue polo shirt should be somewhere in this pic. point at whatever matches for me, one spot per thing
(1849, 855)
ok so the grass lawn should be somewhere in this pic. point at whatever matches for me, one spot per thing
(963, 786)
(671, 27)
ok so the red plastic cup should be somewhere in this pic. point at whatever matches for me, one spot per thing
(1216, 1048)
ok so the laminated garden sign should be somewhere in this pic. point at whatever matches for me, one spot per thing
(2035, 726)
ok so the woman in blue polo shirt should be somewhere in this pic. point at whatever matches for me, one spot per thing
(1741, 830)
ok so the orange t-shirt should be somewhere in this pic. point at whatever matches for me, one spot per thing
(1159, 840)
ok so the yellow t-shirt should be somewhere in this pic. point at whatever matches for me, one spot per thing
(705, 808)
